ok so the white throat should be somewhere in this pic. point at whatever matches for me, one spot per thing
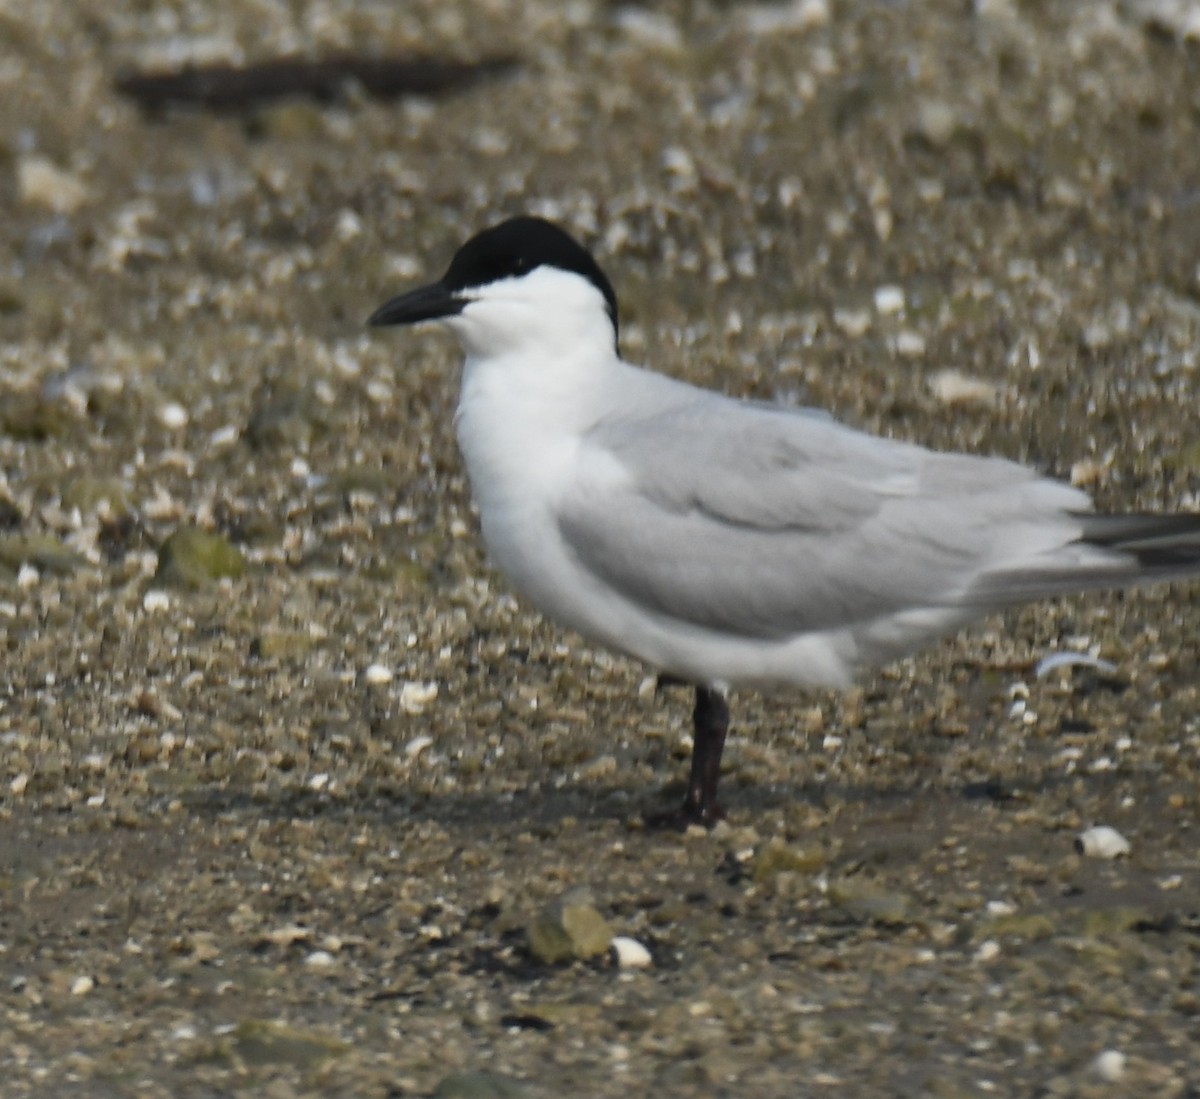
(548, 314)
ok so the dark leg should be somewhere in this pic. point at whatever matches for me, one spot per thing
(710, 723)
(711, 720)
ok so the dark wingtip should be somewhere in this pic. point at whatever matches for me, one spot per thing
(1157, 542)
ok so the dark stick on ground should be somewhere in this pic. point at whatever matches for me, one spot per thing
(224, 87)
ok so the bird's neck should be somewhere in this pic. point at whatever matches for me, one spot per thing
(521, 419)
(536, 385)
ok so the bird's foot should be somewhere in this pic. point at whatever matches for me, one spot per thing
(685, 816)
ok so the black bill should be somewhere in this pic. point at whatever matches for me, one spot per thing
(426, 303)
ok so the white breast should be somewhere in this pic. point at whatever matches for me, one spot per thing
(520, 439)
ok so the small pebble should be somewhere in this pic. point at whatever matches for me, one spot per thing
(953, 387)
(1102, 842)
(81, 986)
(319, 959)
(192, 557)
(414, 696)
(780, 18)
(1087, 472)
(779, 857)
(988, 951)
(889, 300)
(937, 122)
(417, 745)
(630, 953)
(348, 225)
(568, 929)
(864, 899)
(155, 600)
(854, 322)
(479, 1085)
(651, 30)
(173, 415)
(224, 436)
(43, 183)
(908, 343)
(377, 675)
(288, 934)
(1110, 1065)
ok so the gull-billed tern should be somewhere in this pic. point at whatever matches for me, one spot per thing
(723, 541)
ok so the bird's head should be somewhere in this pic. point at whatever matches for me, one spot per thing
(522, 283)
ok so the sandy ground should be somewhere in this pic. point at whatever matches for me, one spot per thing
(236, 860)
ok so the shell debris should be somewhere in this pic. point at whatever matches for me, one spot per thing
(1101, 842)
(630, 953)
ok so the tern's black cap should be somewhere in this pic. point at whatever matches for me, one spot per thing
(508, 250)
(515, 247)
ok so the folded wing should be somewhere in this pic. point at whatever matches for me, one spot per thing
(767, 523)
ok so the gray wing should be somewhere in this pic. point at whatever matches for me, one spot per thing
(769, 523)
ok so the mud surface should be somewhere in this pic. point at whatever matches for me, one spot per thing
(285, 833)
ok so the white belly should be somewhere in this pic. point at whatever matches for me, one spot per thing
(521, 458)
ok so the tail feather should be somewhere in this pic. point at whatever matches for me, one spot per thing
(1111, 551)
(1156, 542)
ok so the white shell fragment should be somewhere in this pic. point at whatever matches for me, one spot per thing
(414, 696)
(41, 182)
(155, 600)
(854, 322)
(1109, 1065)
(377, 675)
(1102, 842)
(953, 387)
(1053, 661)
(287, 935)
(417, 745)
(780, 18)
(989, 951)
(630, 953)
(889, 300)
(909, 343)
(173, 415)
